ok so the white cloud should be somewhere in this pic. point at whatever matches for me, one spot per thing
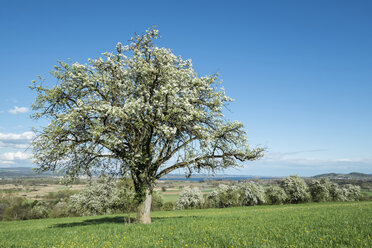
(16, 140)
(16, 146)
(303, 160)
(6, 162)
(15, 158)
(16, 136)
(18, 110)
(12, 156)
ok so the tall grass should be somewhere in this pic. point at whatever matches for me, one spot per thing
(342, 224)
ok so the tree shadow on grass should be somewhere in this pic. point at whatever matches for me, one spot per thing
(113, 220)
(96, 221)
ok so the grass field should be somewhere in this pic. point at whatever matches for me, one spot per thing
(367, 192)
(305, 225)
(169, 197)
(173, 194)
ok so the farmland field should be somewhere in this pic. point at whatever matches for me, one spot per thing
(37, 191)
(346, 224)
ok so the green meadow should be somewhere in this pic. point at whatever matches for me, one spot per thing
(346, 224)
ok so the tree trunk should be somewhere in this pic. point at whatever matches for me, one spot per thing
(143, 212)
(127, 219)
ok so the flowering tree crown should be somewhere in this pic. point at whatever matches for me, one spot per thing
(134, 111)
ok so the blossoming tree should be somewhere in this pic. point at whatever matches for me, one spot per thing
(141, 111)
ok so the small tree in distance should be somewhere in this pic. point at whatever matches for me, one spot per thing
(296, 189)
(132, 113)
(319, 191)
(97, 198)
(251, 194)
(190, 198)
(275, 195)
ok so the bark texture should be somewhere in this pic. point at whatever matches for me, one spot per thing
(143, 212)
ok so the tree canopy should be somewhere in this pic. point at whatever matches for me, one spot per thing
(140, 111)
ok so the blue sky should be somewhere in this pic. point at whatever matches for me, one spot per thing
(299, 71)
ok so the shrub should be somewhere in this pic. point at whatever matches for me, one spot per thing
(251, 194)
(190, 198)
(124, 200)
(60, 210)
(39, 210)
(98, 198)
(275, 195)
(224, 196)
(319, 191)
(334, 190)
(16, 208)
(351, 192)
(157, 201)
(63, 195)
(168, 206)
(296, 189)
(4, 204)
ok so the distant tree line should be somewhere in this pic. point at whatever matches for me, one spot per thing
(292, 189)
(107, 196)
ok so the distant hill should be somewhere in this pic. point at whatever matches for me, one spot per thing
(352, 175)
(22, 172)
(16, 172)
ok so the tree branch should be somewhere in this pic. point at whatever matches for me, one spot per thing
(184, 164)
